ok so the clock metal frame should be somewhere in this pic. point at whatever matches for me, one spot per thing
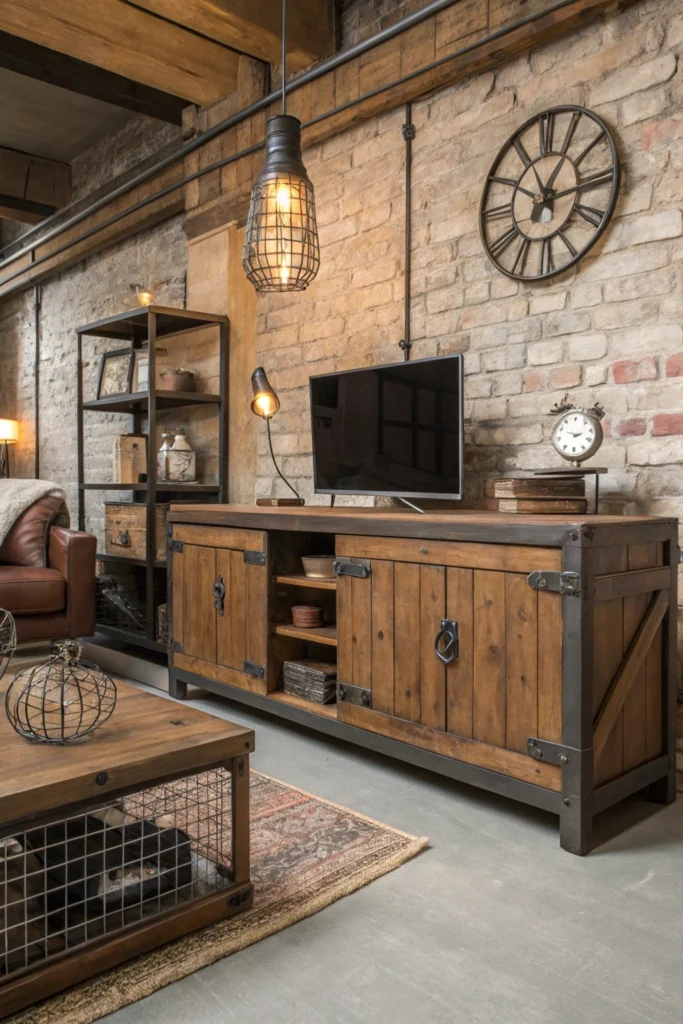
(590, 452)
(548, 147)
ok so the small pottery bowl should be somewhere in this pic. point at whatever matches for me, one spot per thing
(318, 567)
(177, 380)
(307, 616)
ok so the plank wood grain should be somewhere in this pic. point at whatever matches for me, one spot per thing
(127, 41)
(220, 673)
(257, 614)
(640, 556)
(485, 755)
(407, 641)
(177, 578)
(521, 662)
(460, 673)
(432, 669)
(238, 608)
(224, 648)
(146, 738)
(608, 651)
(199, 614)
(361, 640)
(503, 557)
(344, 630)
(489, 657)
(382, 686)
(550, 666)
(220, 537)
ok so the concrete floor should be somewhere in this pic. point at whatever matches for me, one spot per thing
(492, 923)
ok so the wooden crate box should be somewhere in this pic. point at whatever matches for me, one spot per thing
(125, 529)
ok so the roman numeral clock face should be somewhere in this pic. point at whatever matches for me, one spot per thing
(550, 193)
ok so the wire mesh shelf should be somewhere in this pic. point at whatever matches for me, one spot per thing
(93, 874)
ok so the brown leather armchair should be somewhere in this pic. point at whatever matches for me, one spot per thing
(47, 575)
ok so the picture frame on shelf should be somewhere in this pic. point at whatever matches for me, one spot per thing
(116, 371)
(140, 380)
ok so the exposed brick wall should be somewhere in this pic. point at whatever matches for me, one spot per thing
(607, 331)
(89, 291)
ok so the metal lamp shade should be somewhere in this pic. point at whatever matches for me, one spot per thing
(281, 250)
(265, 402)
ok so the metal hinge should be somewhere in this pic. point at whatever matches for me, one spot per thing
(360, 569)
(568, 583)
(545, 750)
(255, 557)
(176, 647)
(354, 695)
(252, 669)
(177, 546)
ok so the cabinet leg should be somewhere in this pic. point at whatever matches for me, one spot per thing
(663, 791)
(176, 687)
(576, 827)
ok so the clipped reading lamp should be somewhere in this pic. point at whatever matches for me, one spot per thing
(9, 434)
(265, 403)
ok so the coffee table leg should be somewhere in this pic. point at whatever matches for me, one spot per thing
(240, 819)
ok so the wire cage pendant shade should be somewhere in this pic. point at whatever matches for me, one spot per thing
(281, 249)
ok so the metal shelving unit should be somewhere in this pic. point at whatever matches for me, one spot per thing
(138, 327)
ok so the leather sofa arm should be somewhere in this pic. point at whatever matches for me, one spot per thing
(73, 554)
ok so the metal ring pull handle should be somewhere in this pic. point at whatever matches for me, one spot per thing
(123, 540)
(219, 595)
(446, 644)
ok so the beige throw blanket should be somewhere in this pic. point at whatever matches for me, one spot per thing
(18, 495)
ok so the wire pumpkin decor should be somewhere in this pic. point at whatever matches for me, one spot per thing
(63, 699)
(8, 640)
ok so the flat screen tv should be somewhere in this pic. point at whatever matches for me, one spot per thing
(392, 430)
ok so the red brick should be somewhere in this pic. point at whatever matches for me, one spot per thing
(674, 365)
(631, 428)
(628, 370)
(534, 380)
(565, 376)
(660, 132)
(667, 423)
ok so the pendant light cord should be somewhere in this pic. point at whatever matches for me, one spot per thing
(272, 455)
(284, 58)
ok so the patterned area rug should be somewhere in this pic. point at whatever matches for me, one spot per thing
(306, 853)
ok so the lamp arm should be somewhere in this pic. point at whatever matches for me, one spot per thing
(272, 455)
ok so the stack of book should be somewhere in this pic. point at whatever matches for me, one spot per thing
(314, 680)
(536, 495)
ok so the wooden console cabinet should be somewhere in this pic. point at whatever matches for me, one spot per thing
(533, 656)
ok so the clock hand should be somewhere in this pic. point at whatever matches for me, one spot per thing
(551, 179)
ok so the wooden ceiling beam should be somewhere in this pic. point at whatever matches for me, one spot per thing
(32, 188)
(254, 26)
(129, 42)
(55, 68)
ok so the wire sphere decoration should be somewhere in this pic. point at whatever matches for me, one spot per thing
(63, 699)
(8, 640)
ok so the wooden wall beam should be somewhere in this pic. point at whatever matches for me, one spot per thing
(32, 188)
(120, 38)
(254, 26)
(55, 68)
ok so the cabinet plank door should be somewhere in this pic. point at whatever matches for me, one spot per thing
(407, 641)
(460, 673)
(521, 662)
(199, 615)
(549, 666)
(607, 655)
(242, 630)
(383, 637)
(489, 657)
(432, 669)
(361, 640)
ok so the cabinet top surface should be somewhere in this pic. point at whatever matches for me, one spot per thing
(551, 530)
(146, 739)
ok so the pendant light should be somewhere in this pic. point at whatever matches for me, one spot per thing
(281, 251)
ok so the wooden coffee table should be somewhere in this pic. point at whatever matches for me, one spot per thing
(184, 774)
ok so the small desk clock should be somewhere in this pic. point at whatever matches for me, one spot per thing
(577, 435)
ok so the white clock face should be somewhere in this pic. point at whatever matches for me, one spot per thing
(577, 436)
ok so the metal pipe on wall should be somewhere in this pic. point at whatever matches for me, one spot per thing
(37, 299)
(409, 132)
(201, 140)
(338, 60)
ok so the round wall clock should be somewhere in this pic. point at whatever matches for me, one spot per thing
(550, 193)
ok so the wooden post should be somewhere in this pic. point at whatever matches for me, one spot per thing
(240, 819)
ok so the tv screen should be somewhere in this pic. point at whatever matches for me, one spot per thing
(395, 430)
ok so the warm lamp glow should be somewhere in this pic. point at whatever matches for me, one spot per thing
(9, 431)
(265, 402)
(145, 296)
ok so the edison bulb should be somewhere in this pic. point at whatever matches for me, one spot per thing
(283, 198)
(265, 405)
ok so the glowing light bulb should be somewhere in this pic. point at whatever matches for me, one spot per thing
(265, 405)
(283, 199)
(285, 266)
